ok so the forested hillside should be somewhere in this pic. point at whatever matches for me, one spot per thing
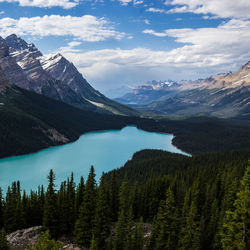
(201, 134)
(199, 202)
(30, 122)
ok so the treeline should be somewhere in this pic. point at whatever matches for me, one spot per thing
(203, 204)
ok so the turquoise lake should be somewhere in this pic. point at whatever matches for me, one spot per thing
(105, 150)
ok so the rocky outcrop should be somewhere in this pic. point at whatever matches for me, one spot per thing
(21, 238)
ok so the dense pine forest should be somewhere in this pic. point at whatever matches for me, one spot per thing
(158, 200)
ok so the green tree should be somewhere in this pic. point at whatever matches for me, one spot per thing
(190, 236)
(120, 233)
(45, 243)
(10, 211)
(236, 229)
(50, 217)
(123, 232)
(3, 241)
(168, 224)
(102, 220)
(138, 236)
(114, 194)
(94, 245)
(1, 209)
(79, 196)
(85, 222)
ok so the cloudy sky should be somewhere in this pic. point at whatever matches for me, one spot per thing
(127, 42)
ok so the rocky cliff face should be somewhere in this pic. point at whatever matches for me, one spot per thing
(52, 76)
(12, 70)
(61, 69)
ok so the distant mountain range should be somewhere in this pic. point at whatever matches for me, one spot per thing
(224, 95)
(148, 92)
(53, 76)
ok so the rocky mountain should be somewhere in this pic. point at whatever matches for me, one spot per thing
(224, 95)
(149, 92)
(52, 76)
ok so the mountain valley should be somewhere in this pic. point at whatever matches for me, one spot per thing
(224, 95)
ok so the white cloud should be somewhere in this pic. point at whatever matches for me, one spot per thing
(74, 43)
(66, 4)
(202, 52)
(138, 2)
(220, 8)
(156, 10)
(86, 28)
(126, 2)
(146, 21)
(152, 32)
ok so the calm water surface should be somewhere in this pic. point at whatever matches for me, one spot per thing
(105, 150)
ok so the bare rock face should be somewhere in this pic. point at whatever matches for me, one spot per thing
(61, 69)
(21, 238)
(16, 42)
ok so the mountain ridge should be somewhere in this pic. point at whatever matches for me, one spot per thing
(61, 82)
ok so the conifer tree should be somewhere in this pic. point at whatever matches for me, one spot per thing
(138, 237)
(154, 232)
(168, 224)
(18, 214)
(114, 194)
(85, 222)
(120, 232)
(94, 245)
(79, 196)
(50, 217)
(3, 241)
(62, 207)
(1, 209)
(123, 233)
(124, 196)
(129, 230)
(190, 236)
(70, 200)
(236, 229)
(10, 219)
(102, 220)
(45, 243)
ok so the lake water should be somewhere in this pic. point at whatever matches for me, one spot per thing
(105, 150)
